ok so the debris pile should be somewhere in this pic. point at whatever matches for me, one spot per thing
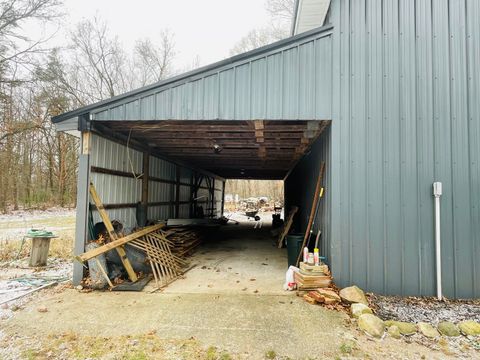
(145, 250)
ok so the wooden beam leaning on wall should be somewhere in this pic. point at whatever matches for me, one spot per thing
(119, 242)
(112, 233)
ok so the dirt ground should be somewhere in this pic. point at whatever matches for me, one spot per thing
(230, 306)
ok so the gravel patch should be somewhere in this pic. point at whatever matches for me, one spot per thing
(416, 309)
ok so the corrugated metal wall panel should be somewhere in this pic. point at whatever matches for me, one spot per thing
(184, 211)
(185, 175)
(306, 93)
(210, 97)
(164, 104)
(162, 169)
(185, 193)
(111, 155)
(147, 107)
(405, 96)
(258, 89)
(323, 83)
(159, 192)
(160, 212)
(289, 83)
(473, 76)
(227, 93)
(242, 92)
(374, 149)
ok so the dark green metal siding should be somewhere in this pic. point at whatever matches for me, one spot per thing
(405, 114)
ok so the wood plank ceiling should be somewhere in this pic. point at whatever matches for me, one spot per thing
(256, 149)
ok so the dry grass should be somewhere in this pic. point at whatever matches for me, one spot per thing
(61, 247)
(147, 346)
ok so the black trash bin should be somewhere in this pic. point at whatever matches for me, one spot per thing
(294, 247)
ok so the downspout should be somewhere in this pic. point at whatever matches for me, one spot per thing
(437, 193)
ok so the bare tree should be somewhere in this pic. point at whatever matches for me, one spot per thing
(257, 38)
(281, 9)
(15, 46)
(152, 62)
(100, 62)
(281, 13)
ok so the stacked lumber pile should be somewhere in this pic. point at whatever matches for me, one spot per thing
(184, 240)
(311, 277)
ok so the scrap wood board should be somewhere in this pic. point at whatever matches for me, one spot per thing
(286, 226)
(309, 282)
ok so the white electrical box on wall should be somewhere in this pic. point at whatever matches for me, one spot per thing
(437, 189)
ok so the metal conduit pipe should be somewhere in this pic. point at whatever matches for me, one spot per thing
(437, 193)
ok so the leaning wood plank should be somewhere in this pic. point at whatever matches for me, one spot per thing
(111, 232)
(104, 273)
(286, 227)
(114, 244)
(313, 210)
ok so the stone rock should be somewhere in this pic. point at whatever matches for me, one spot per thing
(42, 309)
(448, 329)
(405, 328)
(353, 294)
(371, 325)
(427, 330)
(469, 327)
(358, 309)
(394, 332)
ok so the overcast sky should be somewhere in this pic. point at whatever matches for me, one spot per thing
(207, 28)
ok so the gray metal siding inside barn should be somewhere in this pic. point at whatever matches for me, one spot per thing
(289, 83)
(405, 114)
(121, 190)
(300, 188)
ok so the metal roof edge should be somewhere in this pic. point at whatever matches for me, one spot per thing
(86, 109)
(295, 17)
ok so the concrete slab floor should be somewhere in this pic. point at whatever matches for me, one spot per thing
(236, 259)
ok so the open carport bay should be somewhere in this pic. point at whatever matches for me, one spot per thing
(237, 259)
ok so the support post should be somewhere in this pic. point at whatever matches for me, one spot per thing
(142, 215)
(214, 203)
(223, 198)
(81, 224)
(177, 192)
